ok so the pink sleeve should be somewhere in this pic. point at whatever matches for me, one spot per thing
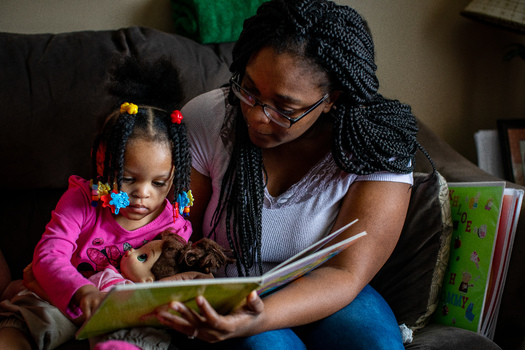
(52, 257)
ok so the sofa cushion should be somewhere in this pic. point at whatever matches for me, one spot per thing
(412, 277)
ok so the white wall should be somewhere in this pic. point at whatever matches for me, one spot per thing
(448, 68)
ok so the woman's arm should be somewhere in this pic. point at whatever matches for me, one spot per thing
(381, 209)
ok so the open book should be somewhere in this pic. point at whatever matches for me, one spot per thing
(124, 305)
(485, 216)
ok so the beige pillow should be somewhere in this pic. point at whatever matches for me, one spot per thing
(411, 279)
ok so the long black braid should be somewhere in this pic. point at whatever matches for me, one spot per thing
(369, 133)
(154, 86)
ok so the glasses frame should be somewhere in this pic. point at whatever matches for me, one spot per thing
(236, 88)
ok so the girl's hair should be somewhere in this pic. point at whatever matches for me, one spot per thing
(178, 256)
(369, 133)
(155, 86)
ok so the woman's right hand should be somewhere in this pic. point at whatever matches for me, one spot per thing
(207, 324)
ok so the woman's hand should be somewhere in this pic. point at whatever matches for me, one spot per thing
(208, 325)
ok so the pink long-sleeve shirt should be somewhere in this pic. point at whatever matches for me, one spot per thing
(81, 240)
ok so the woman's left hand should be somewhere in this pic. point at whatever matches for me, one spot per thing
(208, 325)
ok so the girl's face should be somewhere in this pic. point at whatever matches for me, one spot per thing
(284, 82)
(147, 179)
(136, 264)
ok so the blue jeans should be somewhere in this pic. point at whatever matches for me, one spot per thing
(367, 323)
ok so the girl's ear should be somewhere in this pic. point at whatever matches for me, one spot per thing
(334, 95)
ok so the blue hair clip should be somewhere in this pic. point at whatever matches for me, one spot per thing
(184, 202)
(119, 200)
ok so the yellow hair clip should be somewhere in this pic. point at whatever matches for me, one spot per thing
(130, 108)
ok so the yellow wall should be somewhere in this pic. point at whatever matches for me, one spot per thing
(449, 68)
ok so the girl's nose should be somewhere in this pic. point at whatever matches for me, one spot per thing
(141, 192)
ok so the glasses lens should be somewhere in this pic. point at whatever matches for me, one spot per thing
(277, 117)
(242, 95)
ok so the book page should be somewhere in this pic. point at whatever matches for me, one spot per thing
(313, 248)
(277, 278)
(124, 305)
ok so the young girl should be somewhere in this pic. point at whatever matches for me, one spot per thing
(140, 155)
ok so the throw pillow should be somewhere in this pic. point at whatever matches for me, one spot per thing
(411, 279)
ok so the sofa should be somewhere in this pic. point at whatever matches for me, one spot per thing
(52, 97)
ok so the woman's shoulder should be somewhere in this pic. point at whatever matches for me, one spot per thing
(200, 109)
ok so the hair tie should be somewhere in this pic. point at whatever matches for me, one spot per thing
(182, 205)
(130, 108)
(176, 117)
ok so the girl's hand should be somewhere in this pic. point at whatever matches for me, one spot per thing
(208, 325)
(87, 297)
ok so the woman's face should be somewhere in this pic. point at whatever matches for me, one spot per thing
(284, 82)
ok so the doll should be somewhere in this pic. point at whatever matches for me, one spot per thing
(160, 258)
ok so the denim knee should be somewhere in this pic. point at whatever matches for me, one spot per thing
(284, 339)
(366, 323)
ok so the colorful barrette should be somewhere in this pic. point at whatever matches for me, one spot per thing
(98, 191)
(115, 201)
(182, 205)
(130, 108)
(176, 117)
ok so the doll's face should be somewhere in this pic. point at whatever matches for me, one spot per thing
(136, 264)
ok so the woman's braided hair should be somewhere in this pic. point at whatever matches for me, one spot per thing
(369, 133)
(155, 86)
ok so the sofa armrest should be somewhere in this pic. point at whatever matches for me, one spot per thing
(510, 331)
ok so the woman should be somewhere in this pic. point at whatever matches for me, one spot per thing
(297, 145)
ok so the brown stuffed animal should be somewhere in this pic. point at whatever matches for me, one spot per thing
(178, 256)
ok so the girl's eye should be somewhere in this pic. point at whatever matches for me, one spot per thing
(142, 257)
(159, 184)
(127, 179)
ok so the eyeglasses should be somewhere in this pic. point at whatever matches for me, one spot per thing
(279, 117)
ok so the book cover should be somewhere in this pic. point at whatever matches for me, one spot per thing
(125, 305)
(475, 209)
(484, 216)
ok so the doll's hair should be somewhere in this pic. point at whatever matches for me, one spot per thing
(156, 87)
(178, 256)
(369, 133)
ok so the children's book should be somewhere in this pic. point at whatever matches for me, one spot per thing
(484, 217)
(124, 305)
